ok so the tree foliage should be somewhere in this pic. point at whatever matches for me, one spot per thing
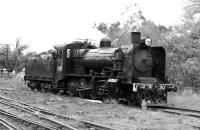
(18, 56)
(13, 59)
(5, 55)
(120, 33)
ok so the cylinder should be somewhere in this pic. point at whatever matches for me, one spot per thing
(135, 37)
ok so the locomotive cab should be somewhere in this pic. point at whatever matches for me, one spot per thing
(60, 66)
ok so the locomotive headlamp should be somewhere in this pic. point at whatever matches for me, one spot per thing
(148, 41)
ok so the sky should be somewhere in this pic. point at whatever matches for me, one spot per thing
(44, 23)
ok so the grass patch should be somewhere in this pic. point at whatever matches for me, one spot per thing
(187, 98)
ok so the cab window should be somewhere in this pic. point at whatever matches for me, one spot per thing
(59, 54)
(68, 53)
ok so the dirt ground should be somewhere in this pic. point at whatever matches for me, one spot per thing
(111, 114)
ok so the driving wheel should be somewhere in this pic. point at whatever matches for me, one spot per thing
(132, 98)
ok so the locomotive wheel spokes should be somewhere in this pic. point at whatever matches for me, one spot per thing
(55, 91)
(72, 88)
(82, 94)
(165, 97)
(92, 92)
(82, 84)
(65, 91)
(150, 96)
(132, 98)
(161, 99)
(38, 86)
(43, 87)
(46, 87)
(157, 99)
(54, 88)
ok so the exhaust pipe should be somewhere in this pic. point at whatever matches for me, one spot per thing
(135, 37)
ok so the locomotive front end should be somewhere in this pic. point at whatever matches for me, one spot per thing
(148, 72)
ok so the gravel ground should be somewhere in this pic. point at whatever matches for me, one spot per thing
(111, 114)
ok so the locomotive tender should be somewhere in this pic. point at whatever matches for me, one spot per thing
(81, 69)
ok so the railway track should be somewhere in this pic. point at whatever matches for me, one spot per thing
(178, 111)
(15, 122)
(7, 124)
(52, 120)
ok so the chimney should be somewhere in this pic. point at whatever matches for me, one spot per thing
(135, 37)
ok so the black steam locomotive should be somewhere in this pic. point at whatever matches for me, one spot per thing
(81, 69)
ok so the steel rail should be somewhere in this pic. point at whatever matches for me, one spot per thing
(8, 124)
(26, 120)
(178, 111)
(44, 111)
(175, 108)
(99, 126)
(188, 112)
(38, 114)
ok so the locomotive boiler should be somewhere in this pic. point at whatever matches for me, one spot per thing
(81, 69)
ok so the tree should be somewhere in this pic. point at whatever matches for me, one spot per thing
(18, 56)
(192, 8)
(13, 59)
(120, 33)
(158, 33)
(30, 55)
(5, 56)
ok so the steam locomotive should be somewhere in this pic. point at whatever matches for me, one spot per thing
(81, 69)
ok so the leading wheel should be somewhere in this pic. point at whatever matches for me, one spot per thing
(82, 84)
(71, 91)
(132, 98)
(72, 88)
(93, 91)
(43, 87)
(92, 94)
(38, 86)
(55, 91)
(82, 94)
